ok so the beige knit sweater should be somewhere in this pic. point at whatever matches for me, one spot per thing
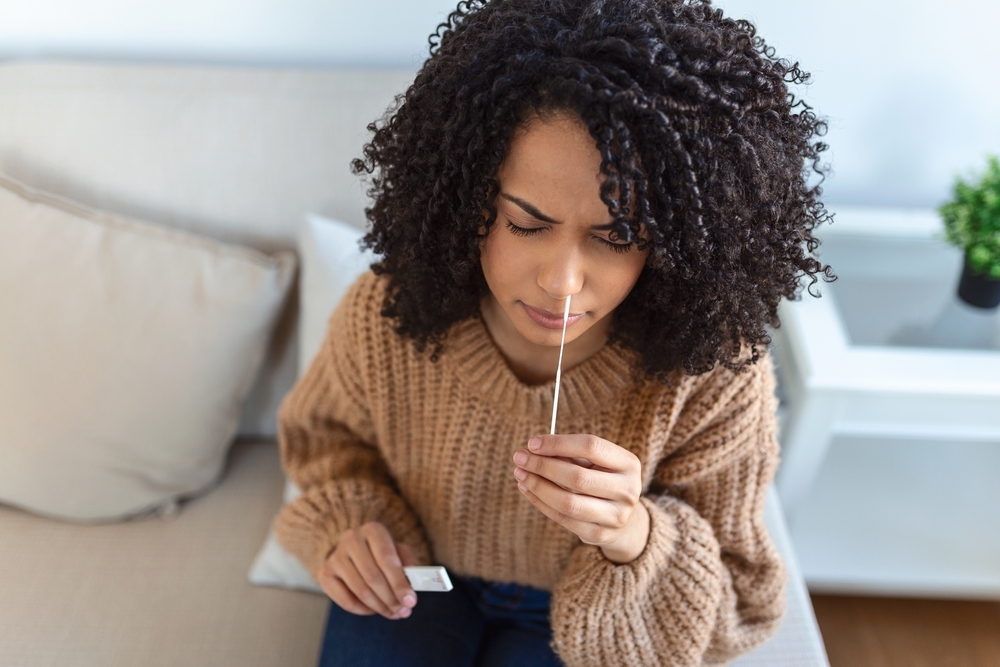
(376, 431)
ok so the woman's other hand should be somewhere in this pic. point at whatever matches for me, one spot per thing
(591, 487)
(364, 573)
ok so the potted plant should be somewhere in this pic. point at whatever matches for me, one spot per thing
(972, 222)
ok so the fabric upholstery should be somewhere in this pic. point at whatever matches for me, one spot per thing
(127, 350)
(236, 153)
(161, 592)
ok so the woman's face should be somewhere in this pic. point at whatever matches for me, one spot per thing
(551, 238)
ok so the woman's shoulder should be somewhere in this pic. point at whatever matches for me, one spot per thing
(357, 319)
(751, 375)
(749, 370)
(362, 302)
(700, 398)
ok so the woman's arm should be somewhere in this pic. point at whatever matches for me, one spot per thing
(709, 584)
(326, 438)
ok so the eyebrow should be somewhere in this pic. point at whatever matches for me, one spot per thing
(531, 210)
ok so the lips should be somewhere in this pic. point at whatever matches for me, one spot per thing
(548, 319)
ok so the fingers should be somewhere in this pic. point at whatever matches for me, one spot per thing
(576, 506)
(345, 599)
(397, 591)
(360, 587)
(368, 564)
(596, 450)
(589, 533)
(572, 477)
(406, 555)
(587, 484)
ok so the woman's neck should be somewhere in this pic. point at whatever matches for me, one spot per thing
(532, 363)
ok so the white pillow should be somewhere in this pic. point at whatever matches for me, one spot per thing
(126, 352)
(331, 261)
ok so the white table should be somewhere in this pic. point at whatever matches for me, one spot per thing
(889, 450)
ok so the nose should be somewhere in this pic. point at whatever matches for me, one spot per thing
(562, 275)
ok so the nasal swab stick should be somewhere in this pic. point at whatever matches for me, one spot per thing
(562, 344)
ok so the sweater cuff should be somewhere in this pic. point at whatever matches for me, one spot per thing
(664, 602)
(310, 526)
(588, 561)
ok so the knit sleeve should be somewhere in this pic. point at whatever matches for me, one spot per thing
(710, 583)
(327, 443)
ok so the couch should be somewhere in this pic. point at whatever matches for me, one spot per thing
(238, 154)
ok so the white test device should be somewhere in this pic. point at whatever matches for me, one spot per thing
(428, 578)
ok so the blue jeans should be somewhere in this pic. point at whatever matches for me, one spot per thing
(477, 623)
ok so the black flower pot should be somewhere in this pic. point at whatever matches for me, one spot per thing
(977, 289)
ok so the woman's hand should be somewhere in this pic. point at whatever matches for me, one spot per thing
(364, 573)
(589, 486)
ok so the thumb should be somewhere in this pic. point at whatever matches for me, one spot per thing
(406, 555)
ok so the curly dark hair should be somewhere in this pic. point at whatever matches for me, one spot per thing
(702, 144)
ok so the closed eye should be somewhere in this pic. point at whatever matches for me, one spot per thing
(529, 231)
(617, 247)
(522, 231)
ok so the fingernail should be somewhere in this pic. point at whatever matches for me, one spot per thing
(521, 486)
(409, 599)
(521, 457)
(534, 444)
(404, 612)
(520, 474)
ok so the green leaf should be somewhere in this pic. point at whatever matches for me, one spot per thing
(972, 218)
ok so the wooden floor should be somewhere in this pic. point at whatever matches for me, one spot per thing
(894, 632)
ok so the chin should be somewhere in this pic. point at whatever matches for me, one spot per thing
(543, 338)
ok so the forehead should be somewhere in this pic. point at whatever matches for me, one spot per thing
(554, 164)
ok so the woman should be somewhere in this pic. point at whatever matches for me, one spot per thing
(643, 160)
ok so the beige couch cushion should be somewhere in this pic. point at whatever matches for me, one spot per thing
(236, 153)
(167, 592)
(126, 352)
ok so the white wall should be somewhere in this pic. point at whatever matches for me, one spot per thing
(910, 86)
(311, 32)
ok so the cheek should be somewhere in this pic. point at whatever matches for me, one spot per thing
(503, 262)
(623, 276)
